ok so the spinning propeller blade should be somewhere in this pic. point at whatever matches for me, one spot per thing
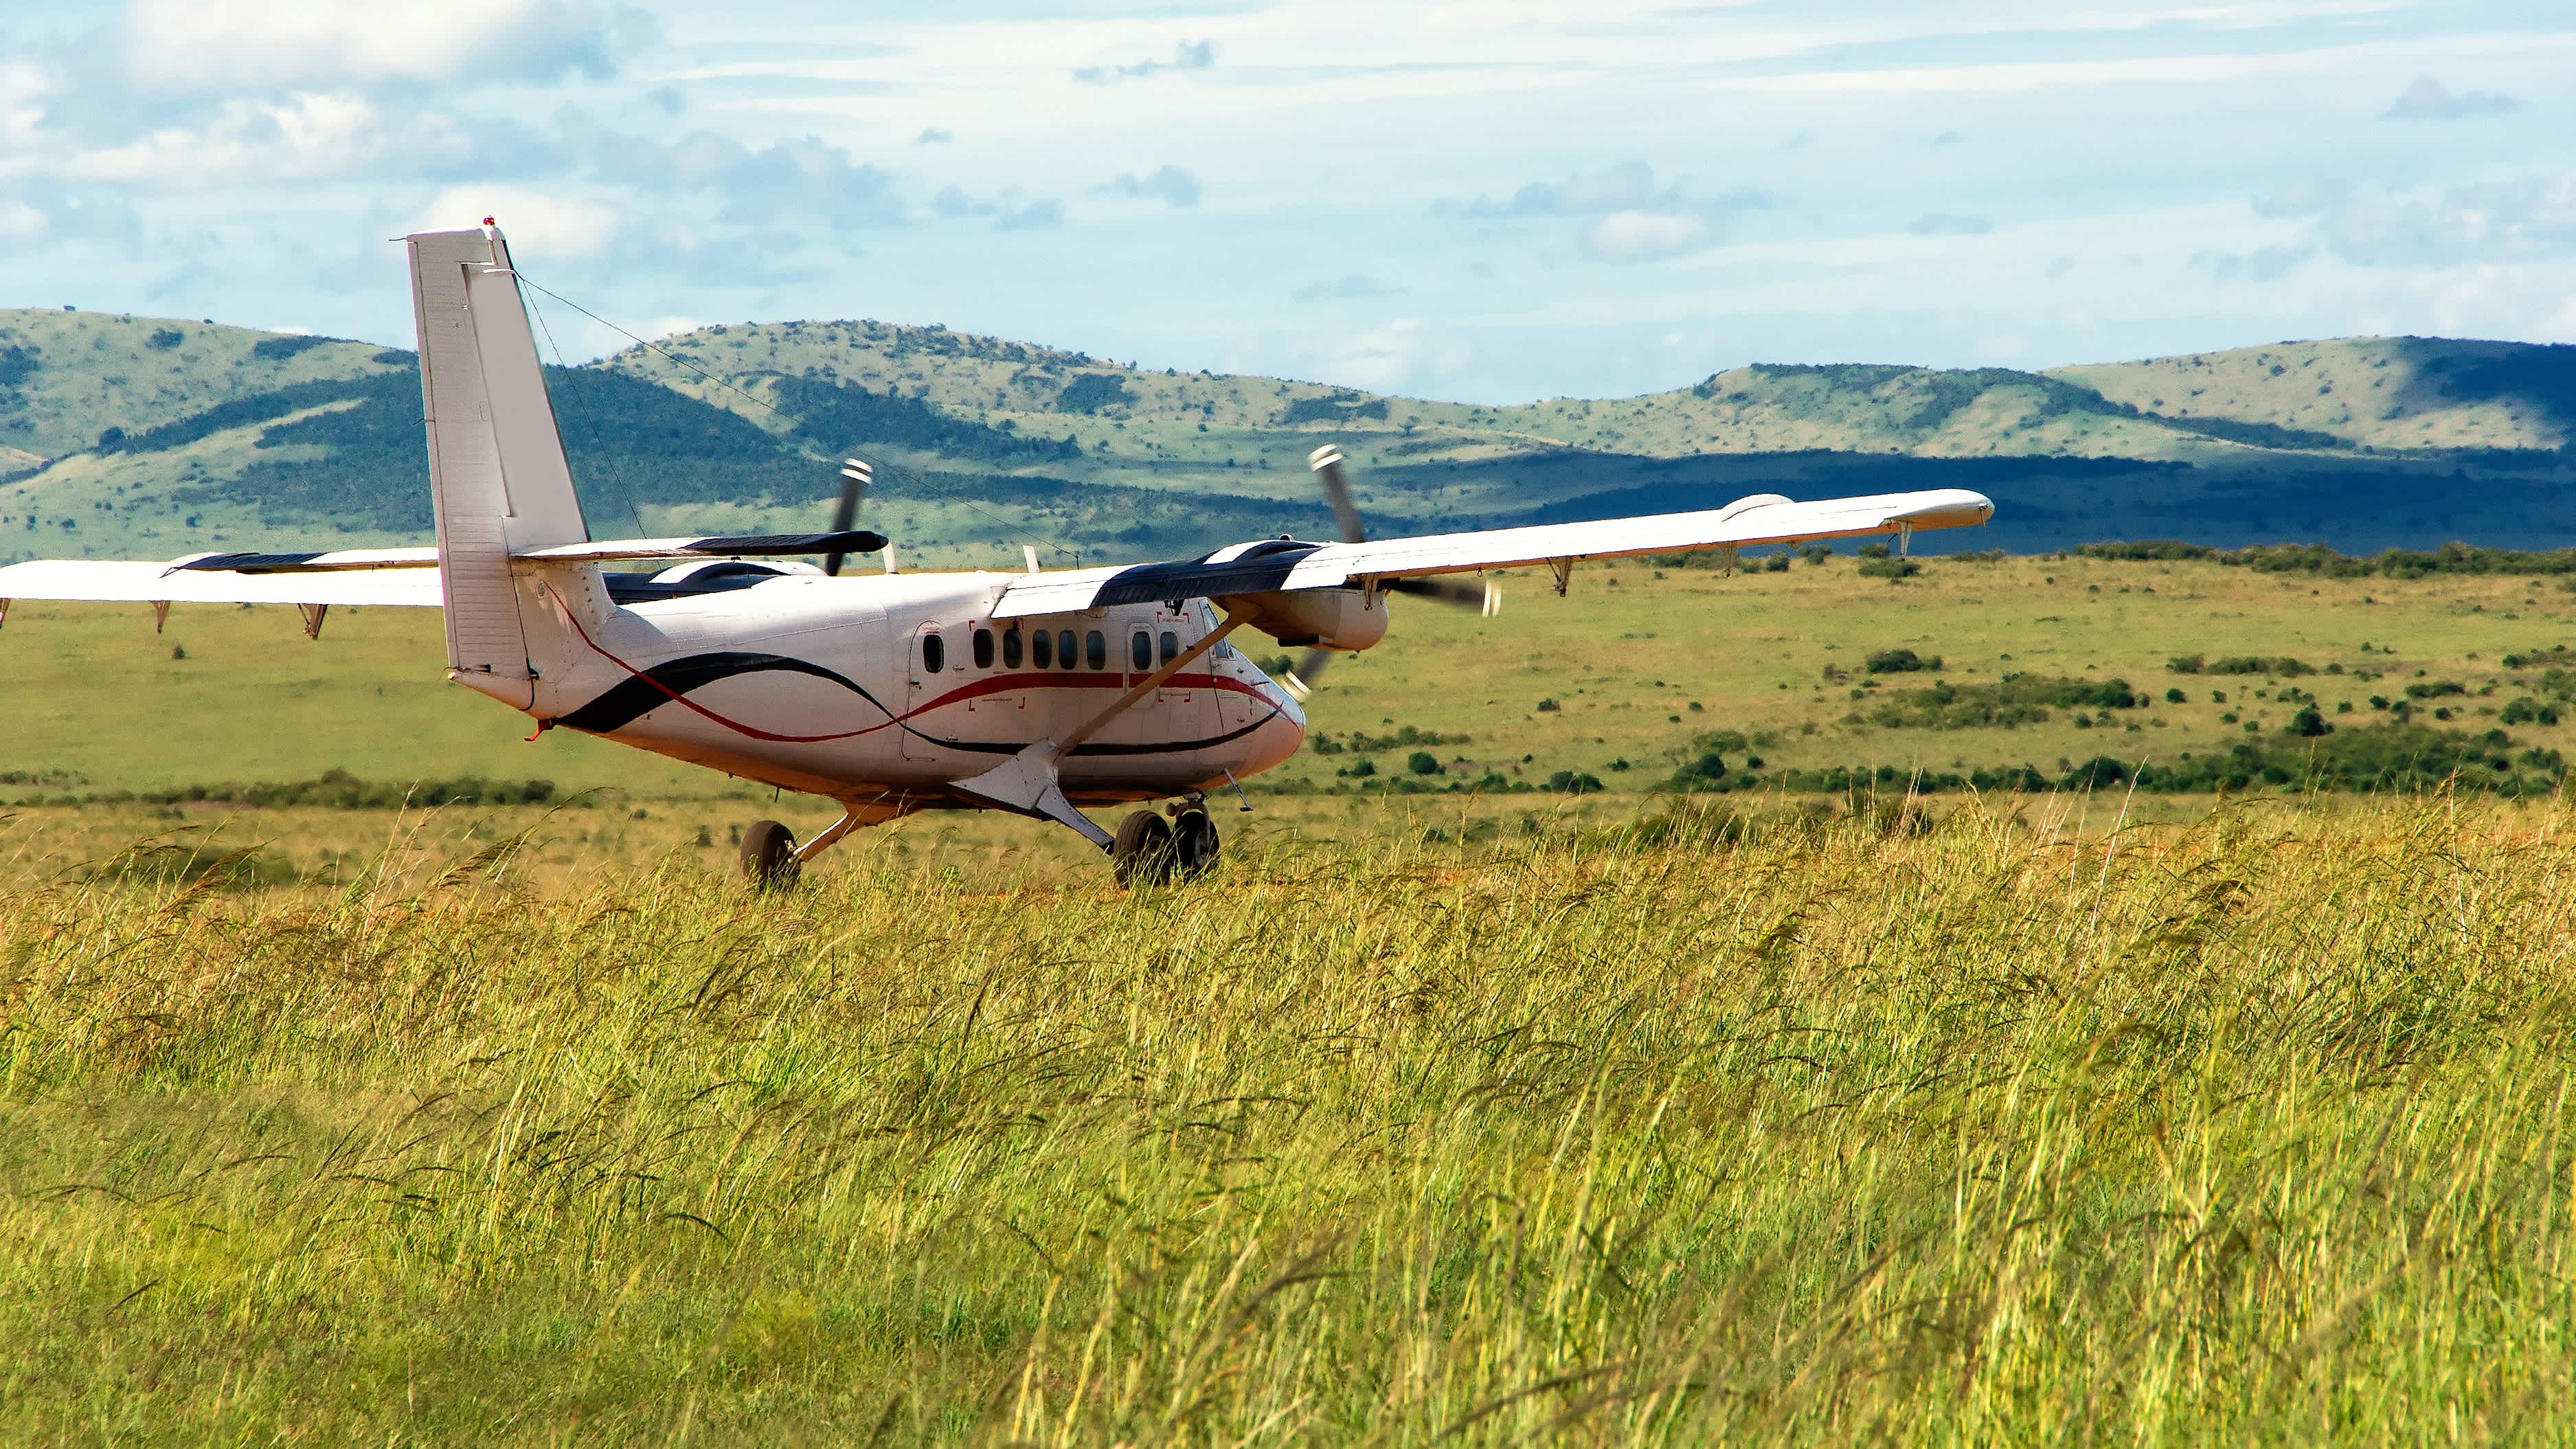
(845, 514)
(1483, 596)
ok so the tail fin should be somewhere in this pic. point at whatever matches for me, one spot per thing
(497, 473)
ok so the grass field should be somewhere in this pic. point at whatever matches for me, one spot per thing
(1714, 1130)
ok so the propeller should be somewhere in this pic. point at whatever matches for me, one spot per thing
(1483, 596)
(845, 514)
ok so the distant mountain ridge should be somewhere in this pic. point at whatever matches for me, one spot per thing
(123, 434)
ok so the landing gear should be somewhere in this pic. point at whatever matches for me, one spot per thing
(1149, 852)
(1194, 842)
(769, 858)
(1142, 852)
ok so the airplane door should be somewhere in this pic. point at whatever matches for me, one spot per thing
(928, 670)
(1184, 708)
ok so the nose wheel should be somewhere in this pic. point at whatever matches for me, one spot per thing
(1147, 851)
(769, 856)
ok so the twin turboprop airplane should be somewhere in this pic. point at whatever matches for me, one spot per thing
(1038, 693)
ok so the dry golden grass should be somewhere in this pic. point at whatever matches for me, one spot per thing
(1785, 1129)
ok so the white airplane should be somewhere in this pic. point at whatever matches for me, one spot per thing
(1038, 693)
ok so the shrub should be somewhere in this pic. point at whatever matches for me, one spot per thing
(1422, 762)
(1889, 568)
(1572, 782)
(1899, 661)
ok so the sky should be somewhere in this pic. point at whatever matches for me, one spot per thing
(1485, 200)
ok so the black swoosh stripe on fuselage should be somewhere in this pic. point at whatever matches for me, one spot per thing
(630, 699)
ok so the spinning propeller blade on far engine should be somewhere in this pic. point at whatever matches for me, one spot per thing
(1485, 597)
(845, 514)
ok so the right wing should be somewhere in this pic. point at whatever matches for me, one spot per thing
(1287, 565)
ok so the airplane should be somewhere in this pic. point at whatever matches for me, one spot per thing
(1042, 693)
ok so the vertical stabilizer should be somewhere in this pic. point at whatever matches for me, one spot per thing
(497, 473)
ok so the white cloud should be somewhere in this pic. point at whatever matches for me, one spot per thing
(1644, 236)
(538, 222)
(299, 138)
(211, 47)
(1175, 185)
(2430, 100)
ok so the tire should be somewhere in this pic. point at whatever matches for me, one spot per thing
(769, 856)
(1142, 853)
(1194, 843)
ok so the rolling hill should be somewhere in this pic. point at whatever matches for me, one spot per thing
(123, 434)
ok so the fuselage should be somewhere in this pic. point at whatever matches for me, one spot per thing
(882, 689)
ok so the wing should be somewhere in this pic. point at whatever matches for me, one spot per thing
(1281, 565)
(361, 577)
(162, 583)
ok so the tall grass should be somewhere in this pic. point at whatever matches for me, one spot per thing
(1800, 1132)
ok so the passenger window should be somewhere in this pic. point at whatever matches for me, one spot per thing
(1140, 649)
(1064, 649)
(1042, 650)
(1171, 646)
(1095, 649)
(983, 648)
(1011, 648)
(934, 653)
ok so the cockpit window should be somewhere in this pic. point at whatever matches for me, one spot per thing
(1095, 649)
(934, 653)
(983, 648)
(1011, 648)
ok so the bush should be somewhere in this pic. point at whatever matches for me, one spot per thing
(1571, 782)
(2275, 665)
(1548, 706)
(2176, 696)
(1889, 568)
(1899, 661)
(2016, 699)
(1422, 762)
(1708, 772)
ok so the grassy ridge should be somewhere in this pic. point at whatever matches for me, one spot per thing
(1811, 1132)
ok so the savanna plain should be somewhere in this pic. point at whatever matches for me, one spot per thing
(1463, 1103)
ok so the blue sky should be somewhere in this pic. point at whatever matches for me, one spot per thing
(1492, 200)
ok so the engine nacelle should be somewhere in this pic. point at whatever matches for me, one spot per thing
(1318, 618)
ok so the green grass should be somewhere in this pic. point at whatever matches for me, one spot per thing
(1801, 1132)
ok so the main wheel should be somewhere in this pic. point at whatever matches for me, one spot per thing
(1194, 843)
(769, 856)
(1142, 852)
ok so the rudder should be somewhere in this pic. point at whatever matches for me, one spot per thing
(499, 482)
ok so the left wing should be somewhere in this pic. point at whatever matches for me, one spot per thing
(363, 577)
(364, 586)
(1283, 565)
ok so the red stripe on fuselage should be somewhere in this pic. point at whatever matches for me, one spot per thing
(1006, 683)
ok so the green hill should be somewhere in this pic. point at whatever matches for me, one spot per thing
(127, 435)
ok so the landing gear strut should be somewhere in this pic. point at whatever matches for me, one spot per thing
(771, 858)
